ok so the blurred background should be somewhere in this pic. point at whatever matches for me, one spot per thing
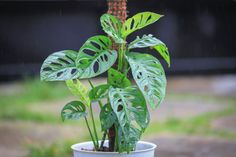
(198, 117)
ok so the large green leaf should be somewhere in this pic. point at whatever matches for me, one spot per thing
(60, 66)
(129, 106)
(149, 76)
(95, 56)
(99, 92)
(139, 21)
(117, 79)
(112, 26)
(132, 114)
(107, 117)
(73, 110)
(150, 41)
(79, 90)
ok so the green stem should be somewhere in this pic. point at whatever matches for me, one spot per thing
(103, 139)
(121, 60)
(117, 143)
(91, 113)
(90, 132)
(94, 127)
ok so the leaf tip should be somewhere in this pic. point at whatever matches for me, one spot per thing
(161, 15)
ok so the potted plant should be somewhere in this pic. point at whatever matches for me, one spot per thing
(124, 114)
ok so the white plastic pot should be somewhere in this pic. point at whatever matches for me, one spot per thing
(143, 149)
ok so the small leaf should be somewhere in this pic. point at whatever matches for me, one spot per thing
(79, 90)
(99, 92)
(107, 117)
(149, 75)
(150, 41)
(60, 66)
(94, 57)
(112, 26)
(117, 79)
(73, 111)
(139, 21)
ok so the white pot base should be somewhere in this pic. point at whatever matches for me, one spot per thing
(143, 149)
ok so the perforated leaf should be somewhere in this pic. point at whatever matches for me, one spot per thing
(112, 26)
(60, 66)
(129, 106)
(95, 56)
(128, 138)
(131, 111)
(139, 21)
(73, 111)
(99, 92)
(117, 79)
(152, 42)
(149, 75)
(107, 117)
(79, 90)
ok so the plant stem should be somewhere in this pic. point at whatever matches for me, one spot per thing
(90, 132)
(103, 139)
(122, 64)
(117, 143)
(120, 58)
(112, 138)
(94, 127)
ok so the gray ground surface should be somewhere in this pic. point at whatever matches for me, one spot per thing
(14, 136)
(194, 147)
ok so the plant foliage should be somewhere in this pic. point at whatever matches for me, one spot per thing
(73, 110)
(123, 104)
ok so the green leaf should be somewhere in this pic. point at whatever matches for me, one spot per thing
(117, 79)
(139, 21)
(112, 26)
(149, 75)
(131, 111)
(60, 66)
(128, 138)
(99, 92)
(79, 90)
(107, 117)
(129, 106)
(150, 41)
(73, 111)
(163, 50)
(95, 57)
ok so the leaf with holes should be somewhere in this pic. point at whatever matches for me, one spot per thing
(99, 92)
(129, 106)
(112, 26)
(79, 90)
(60, 66)
(73, 111)
(139, 21)
(150, 41)
(95, 56)
(117, 79)
(107, 117)
(128, 138)
(131, 111)
(149, 75)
